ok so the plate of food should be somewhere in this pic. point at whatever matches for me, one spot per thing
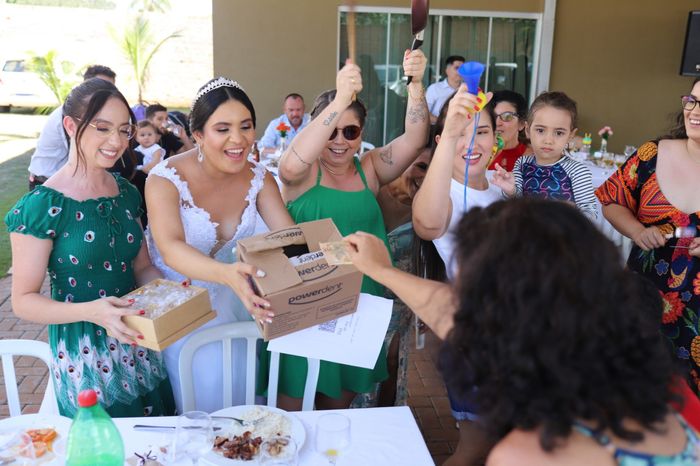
(239, 442)
(44, 431)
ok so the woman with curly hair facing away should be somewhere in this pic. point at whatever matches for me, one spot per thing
(565, 350)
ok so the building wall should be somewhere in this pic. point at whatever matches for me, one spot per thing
(619, 60)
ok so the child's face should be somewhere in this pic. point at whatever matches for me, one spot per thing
(549, 132)
(146, 136)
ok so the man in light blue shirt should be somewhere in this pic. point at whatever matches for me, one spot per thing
(439, 92)
(293, 116)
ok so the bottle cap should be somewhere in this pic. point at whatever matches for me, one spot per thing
(87, 398)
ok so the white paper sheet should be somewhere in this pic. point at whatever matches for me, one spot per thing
(355, 339)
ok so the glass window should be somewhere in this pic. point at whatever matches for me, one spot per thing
(505, 43)
(511, 57)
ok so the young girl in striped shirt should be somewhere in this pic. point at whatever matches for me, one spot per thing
(550, 172)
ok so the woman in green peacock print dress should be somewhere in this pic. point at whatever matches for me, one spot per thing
(82, 225)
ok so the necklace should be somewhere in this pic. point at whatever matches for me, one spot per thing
(331, 171)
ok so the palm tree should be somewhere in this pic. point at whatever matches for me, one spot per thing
(59, 77)
(139, 47)
(160, 6)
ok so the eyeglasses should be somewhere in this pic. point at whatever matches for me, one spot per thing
(507, 116)
(350, 133)
(105, 130)
(689, 102)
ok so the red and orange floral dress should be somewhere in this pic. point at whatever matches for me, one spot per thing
(674, 272)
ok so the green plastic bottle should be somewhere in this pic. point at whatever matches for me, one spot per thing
(93, 438)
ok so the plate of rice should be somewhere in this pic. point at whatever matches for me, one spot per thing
(240, 444)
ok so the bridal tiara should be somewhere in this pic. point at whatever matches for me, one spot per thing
(215, 84)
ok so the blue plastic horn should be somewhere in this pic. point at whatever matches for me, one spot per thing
(471, 74)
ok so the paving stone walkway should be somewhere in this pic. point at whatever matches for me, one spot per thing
(426, 392)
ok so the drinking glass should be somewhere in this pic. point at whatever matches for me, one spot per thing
(608, 159)
(279, 451)
(620, 159)
(172, 127)
(629, 150)
(194, 435)
(332, 436)
(598, 158)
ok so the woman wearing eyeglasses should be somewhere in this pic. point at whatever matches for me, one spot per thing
(511, 116)
(323, 178)
(650, 199)
(83, 226)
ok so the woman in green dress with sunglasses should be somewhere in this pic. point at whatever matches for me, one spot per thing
(323, 178)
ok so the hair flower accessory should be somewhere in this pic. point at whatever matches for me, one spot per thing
(605, 132)
(282, 128)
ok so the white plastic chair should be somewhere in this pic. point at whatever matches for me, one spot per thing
(37, 349)
(226, 334)
(365, 146)
(314, 367)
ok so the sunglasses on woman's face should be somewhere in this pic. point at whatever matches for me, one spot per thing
(350, 133)
(507, 116)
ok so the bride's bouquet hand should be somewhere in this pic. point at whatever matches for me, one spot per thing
(240, 281)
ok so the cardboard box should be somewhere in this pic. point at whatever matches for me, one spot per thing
(310, 293)
(165, 329)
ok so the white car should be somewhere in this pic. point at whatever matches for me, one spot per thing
(22, 88)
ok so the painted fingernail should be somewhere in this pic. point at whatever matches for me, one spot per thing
(261, 321)
(140, 337)
(271, 314)
(133, 344)
(142, 312)
(269, 321)
(476, 107)
(132, 300)
(185, 283)
(479, 99)
(267, 304)
(260, 273)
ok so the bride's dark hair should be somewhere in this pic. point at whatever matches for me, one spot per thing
(209, 101)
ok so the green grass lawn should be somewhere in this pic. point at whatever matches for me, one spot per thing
(13, 179)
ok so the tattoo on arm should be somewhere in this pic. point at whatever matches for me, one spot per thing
(417, 113)
(330, 118)
(385, 155)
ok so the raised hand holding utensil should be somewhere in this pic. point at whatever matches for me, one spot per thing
(419, 20)
(351, 36)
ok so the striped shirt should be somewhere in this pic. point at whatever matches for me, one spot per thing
(564, 180)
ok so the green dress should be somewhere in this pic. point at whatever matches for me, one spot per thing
(351, 211)
(95, 243)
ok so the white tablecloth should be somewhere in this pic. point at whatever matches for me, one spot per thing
(380, 436)
(598, 174)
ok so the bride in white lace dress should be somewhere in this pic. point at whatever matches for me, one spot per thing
(199, 204)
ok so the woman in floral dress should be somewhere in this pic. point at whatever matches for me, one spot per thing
(647, 199)
(82, 225)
